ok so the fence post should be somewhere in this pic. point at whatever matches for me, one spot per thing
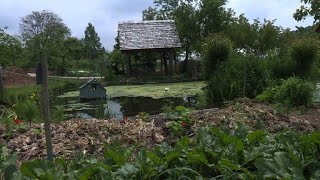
(45, 106)
(1, 84)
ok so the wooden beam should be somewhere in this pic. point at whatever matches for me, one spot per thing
(174, 54)
(165, 62)
(170, 63)
(1, 85)
(128, 64)
(45, 106)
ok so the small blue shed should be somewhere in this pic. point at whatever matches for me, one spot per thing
(92, 90)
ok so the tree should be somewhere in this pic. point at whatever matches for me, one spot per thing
(188, 28)
(186, 18)
(304, 53)
(44, 32)
(92, 43)
(217, 49)
(42, 27)
(10, 48)
(310, 8)
(213, 16)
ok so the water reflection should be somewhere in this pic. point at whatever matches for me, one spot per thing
(121, 106)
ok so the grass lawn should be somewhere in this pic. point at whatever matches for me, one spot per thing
(155, 91)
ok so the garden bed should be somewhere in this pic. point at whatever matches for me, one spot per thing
(89, 136)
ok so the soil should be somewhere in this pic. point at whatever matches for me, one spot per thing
(15, 76)
(89, 136)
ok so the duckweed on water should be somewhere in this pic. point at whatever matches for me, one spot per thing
(155, 91)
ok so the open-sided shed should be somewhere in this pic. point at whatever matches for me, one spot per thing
(150, 36)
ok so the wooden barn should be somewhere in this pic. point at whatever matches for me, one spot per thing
(159, 36)
(92, 90)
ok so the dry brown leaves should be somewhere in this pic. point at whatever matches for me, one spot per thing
(257, 115)
(91, 135)
(84, 136)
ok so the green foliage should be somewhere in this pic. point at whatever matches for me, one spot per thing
(295, 92)
(310, 8)
(217, 49)
(304, 54)
(6, 120)
(212, 154)
(7, 163)
(27, 110)
(92, 44)
(238, 77)
(180, 123)
(57, 114)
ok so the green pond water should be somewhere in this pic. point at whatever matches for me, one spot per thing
(132, 99)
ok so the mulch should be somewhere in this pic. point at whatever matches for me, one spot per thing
(90, 135)
(15, 76)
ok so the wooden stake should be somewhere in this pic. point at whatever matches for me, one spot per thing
(1, 84)
(45, 107)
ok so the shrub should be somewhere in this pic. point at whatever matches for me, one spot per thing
(217, 49)
(58, 114)
(238, 77)
(295, 92)
(27, 110)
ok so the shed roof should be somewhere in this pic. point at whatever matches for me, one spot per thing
(92, 81)
(156, 34)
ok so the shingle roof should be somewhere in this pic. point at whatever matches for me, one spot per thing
(148, 35)
(92, 81)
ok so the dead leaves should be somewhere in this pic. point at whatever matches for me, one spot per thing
(84, 136)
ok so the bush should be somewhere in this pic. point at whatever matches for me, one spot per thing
(27, 110)
(295, 92)
(217, 49)
(292, 92)
(238, 77)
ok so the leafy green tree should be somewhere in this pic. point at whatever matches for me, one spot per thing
(304, 53)
(217, 49)
(92, 44)
(310, 8)
(213, 16)
(43, 32)
(10, 48)
(42, 27)
(185, 14)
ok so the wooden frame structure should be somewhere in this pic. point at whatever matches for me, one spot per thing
(159, 36)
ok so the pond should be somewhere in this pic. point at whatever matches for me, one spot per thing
(129, 100)
(120, 106)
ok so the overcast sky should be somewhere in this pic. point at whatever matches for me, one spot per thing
(105, 14)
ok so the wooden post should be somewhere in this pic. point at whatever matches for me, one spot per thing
(1, 84)
(165, 63)
(129, 65)
(175, 61)
(45, 107)
(170, 63)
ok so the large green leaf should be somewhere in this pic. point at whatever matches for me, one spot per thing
(281, 166)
